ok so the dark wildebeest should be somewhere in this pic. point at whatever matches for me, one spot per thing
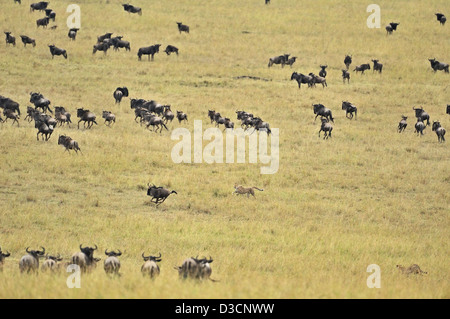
(104, 46)
(349, 109)
(326, 127)
(422, 115)
(181, 116)
(291, 61)
(361, 68)
(62, 116)
(377, 66)
(392, 26)
(448, 108)
(86, 116)
(440, 131)
(182, 27)
(348, 61)
(323, 72)
(151, 50)
(346, 75)
(170, 49)
(43, 126)
(260, 125)
(301, 78)
(436, 65)
(320, 109)
(150, 267)
(419, 127)
(10, 39)
(40, 6)
(30, 262)
(43, 22)
(27, 40)
(7, 104)
(168, 114)
(69, 143)
(40, 101)
(3, 255)
(109, 117)
(318, 79)
(112, 263)
(84, 258)
(10, 114)
(57, 51)
(402, 124)
(50, 14)
(267, 1)
(119, 43)
(73, 33)
(159, 194)
(119, 93)
(281, 59)
(132, 9)
(441, 18)
(103, 37)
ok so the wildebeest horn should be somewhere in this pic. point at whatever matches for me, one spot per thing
(106, 252)
(27, 249)
(81, 248)
(95, 247)
(43, 251)
(119, 253)
(143, 256)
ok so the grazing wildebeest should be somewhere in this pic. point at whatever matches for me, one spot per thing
(377, 66)
(291, 61)
(68, 143)
(281, 59)
(422, 115)
(86, 116)
(40, 6)
(112, 263)
(168, 114)
(348, 61)
(346, 75)
(43, 22)
(318, 79)
(7, 104)
(27, 40)
(349, 109)
(51, 263)
(181, 116)
(119, 93)
(151, 50)
(73, 33)
(103, 37)
(402, 124)
(40, 101)
(104, 46)
(57, 51)
(440, 131)
(159, 194)
(301, 78)
(150, 266)
(62, 116)
(419, 127)
(132, 9)
(3, 255)
(170, 49)
(109, 117)
(30, 262)
(84, 258)
(436, 65)
(441, 18)
(361, 68)
(10, 114)
(326, 127)
(182, 27)
(10, 39)
(50, 14)
(323, 72)
(320, 109)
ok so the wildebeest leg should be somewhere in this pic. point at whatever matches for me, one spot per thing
(316, 117)
(79, 124)
(162, 201)
(320, 131)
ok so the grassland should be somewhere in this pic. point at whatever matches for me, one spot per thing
(367, 196)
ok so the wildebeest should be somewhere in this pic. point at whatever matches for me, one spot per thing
(118, 43)
(448, 108)
(50, 14)
(159, 194)
(391, 27)
(30, 262)
(323, 72)
(150, 266)
(281, 59)
(40, 6)
(73, 33)
(151, 50)
(302, 79)
(190, 268)
(402, 124)
(361, 68)
(43, 22)
(10, 39)
(422, 115)
(291, 61)
(440, 131)
(349, 109)
(205, 269)
(181, 116)
(436, 65)
(109, 117)
(320, 109)
(69, 143)
(170, 49)
(7, 104)
(103, 37)
(10, 114)
(348, 61)
(377, 66)
(419, 127)
(112, 263)
(40, 101)
(57, 51)
(260, 125)
(168, 114)
(62, 116)
(318, 79)
(326, 127)
(228, 124)
(86, 116)
(18, 1)
(441, 18)
(27, 40)
(104, 46)
(42, 123)
(346, 75)
(51, 263)
(84, 258)
(119, 93)
(182, 27)
(132, 9)
(154, 120)
(3, 255)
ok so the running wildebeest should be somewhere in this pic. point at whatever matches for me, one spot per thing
(181, 116)
(302, 79)
(260, 125)
(182, 27)
(86, 116)
(3, 255)
(320, 109)
(73, 33)
(40, 101)
(361, 68)
(27, 40)
(419, 127)
(441, 18)
(109, 117)
(281, 59)
(40, 6)
(377, 66)
(57, 51)
(154, 120)
(346, 75)
(10, 114)
(7, 104)
(323, 72)
(62, 116)
(349, 109)
(10, 39)
(150, 267)
(43, 126)
(170, 49)
(168, 114)
(348, 61)
(159, 194)
(151, 50)
(440, 131)
(69, 143)
(436, 65)
(30, 262)
(326, 127)
(43, 22)
(103, 37)
(50, 14)
(402, 124)
(119, 93)
(422, 115)
(132, 9)
(104, 46)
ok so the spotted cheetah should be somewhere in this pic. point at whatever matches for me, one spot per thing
(413, 269)
(240, 190)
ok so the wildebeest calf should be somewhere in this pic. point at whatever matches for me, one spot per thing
(182, 27)
(402, 124)
(377, 66)
(171, 49)
(346, 75)
(68, 143)
(10, 39)
(109, 117)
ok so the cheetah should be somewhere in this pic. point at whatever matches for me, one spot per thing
(413, 269)
(240, 190)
